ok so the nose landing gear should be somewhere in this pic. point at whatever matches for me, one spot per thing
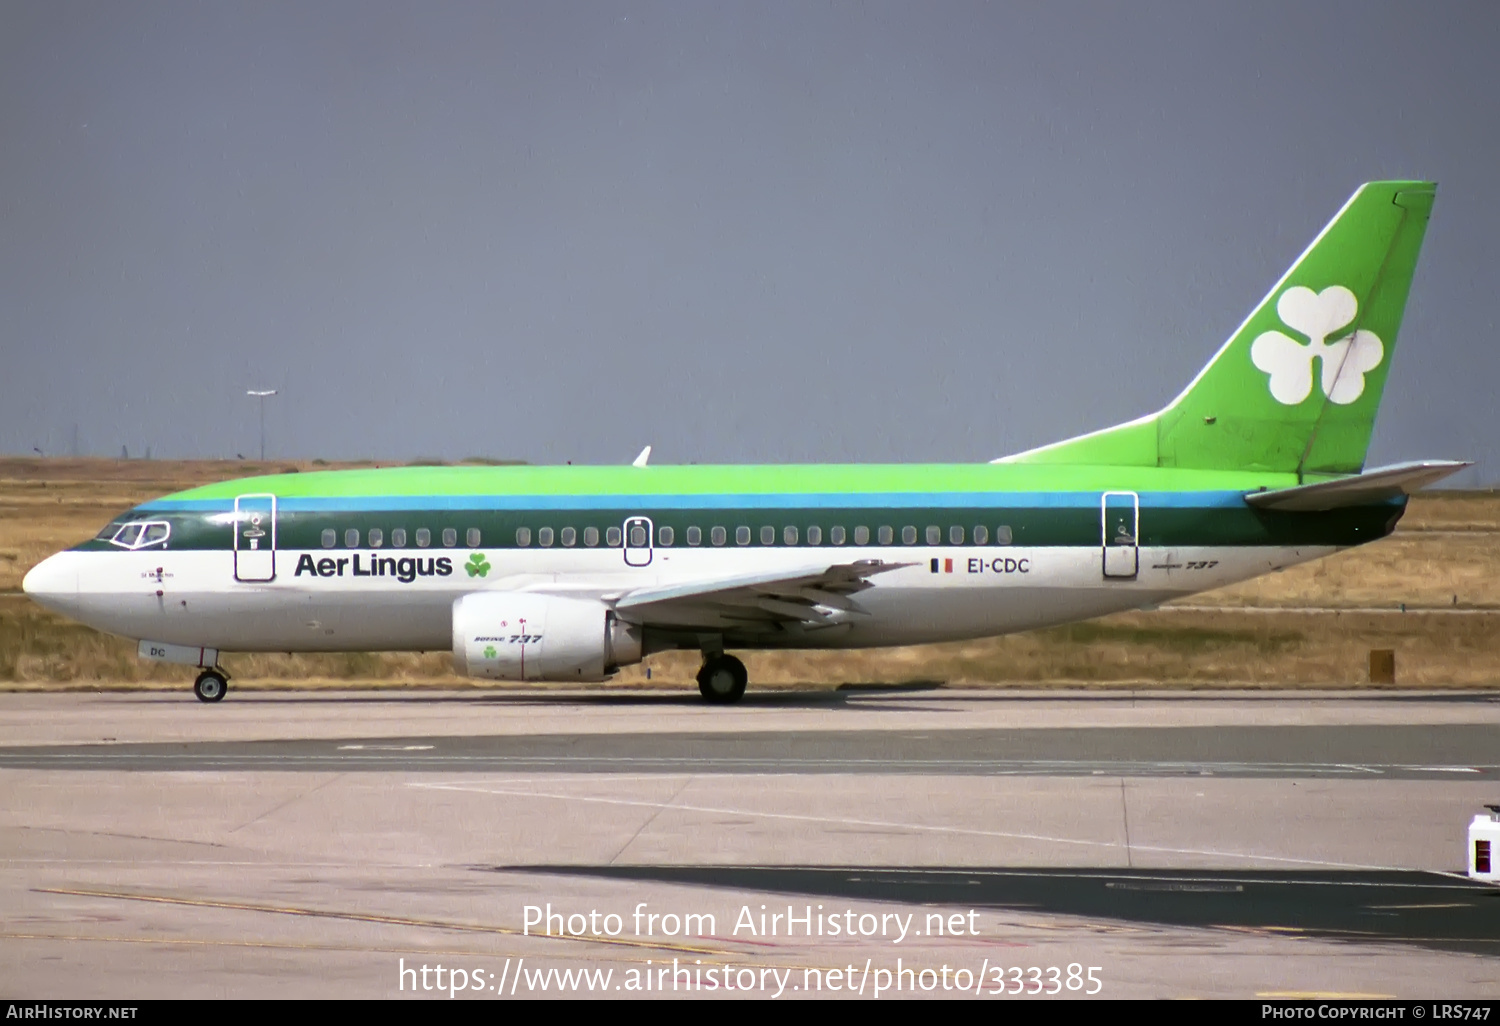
(211, 685)
(722, 680)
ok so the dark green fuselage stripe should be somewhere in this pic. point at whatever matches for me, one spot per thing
(1172, 526)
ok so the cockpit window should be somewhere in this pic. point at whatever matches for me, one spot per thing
(139, 535)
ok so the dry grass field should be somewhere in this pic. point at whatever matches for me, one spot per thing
(1442, 565)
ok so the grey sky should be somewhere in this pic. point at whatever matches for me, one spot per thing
(761, 232)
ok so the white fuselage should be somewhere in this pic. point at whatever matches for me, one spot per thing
(193, 597)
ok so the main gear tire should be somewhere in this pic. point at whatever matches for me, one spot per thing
(722, 680)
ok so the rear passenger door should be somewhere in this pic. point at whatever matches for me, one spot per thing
(1120, 516)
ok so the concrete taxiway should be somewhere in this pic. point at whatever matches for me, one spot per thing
(321, 844)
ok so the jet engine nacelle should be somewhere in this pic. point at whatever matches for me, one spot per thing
(523, 636)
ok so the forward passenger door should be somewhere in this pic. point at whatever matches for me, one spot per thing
(255, 537)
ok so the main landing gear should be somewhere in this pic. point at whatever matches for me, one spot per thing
(722, 679)
(211, 685)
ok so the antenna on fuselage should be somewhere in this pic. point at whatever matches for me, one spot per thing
(640, 461)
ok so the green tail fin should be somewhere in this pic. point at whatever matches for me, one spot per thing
(1296, 387)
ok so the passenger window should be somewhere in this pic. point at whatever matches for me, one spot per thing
(886, 535)
(450, 537)
(398, 538)
(742, 535)
(908, 535)
(330, 537)
(981, 535)
(591, 536)
(612, 537)
(473, 537)
(718, 536)
(544, 537)
(424, 537)
(861, 536)
(934, 535)
(1002, 535)
(523, 536)
(155, 534)
(955, 535)
(695, 535)
(768, 535)
(836, 535)
(377, 537)
(789, 535)
(637, 537)
(815, 536)
(665, 535)
(351, 538)
(569, 537)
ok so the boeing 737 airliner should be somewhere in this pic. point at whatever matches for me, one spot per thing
(568, 573)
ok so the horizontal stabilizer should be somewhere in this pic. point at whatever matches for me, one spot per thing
(1372, 486)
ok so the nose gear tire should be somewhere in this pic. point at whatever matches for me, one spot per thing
(210, 686)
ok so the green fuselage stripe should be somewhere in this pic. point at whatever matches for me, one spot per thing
(781, 484)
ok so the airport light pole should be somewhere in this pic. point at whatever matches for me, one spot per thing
(262, 397)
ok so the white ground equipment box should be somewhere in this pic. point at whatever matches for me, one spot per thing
(1484, 846)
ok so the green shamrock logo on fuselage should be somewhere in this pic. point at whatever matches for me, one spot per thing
(477, 566)
(489, 652)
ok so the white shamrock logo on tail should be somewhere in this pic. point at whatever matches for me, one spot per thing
(1345, 361)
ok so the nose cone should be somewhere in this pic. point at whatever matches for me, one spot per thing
(53, 582)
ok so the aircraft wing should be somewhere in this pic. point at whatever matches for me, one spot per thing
(1371, 486)
(821, 594)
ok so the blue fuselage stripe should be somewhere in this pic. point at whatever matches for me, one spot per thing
(777, 500)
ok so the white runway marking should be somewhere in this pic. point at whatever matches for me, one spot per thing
(756, 765)
(385, 748)
(888, 825)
